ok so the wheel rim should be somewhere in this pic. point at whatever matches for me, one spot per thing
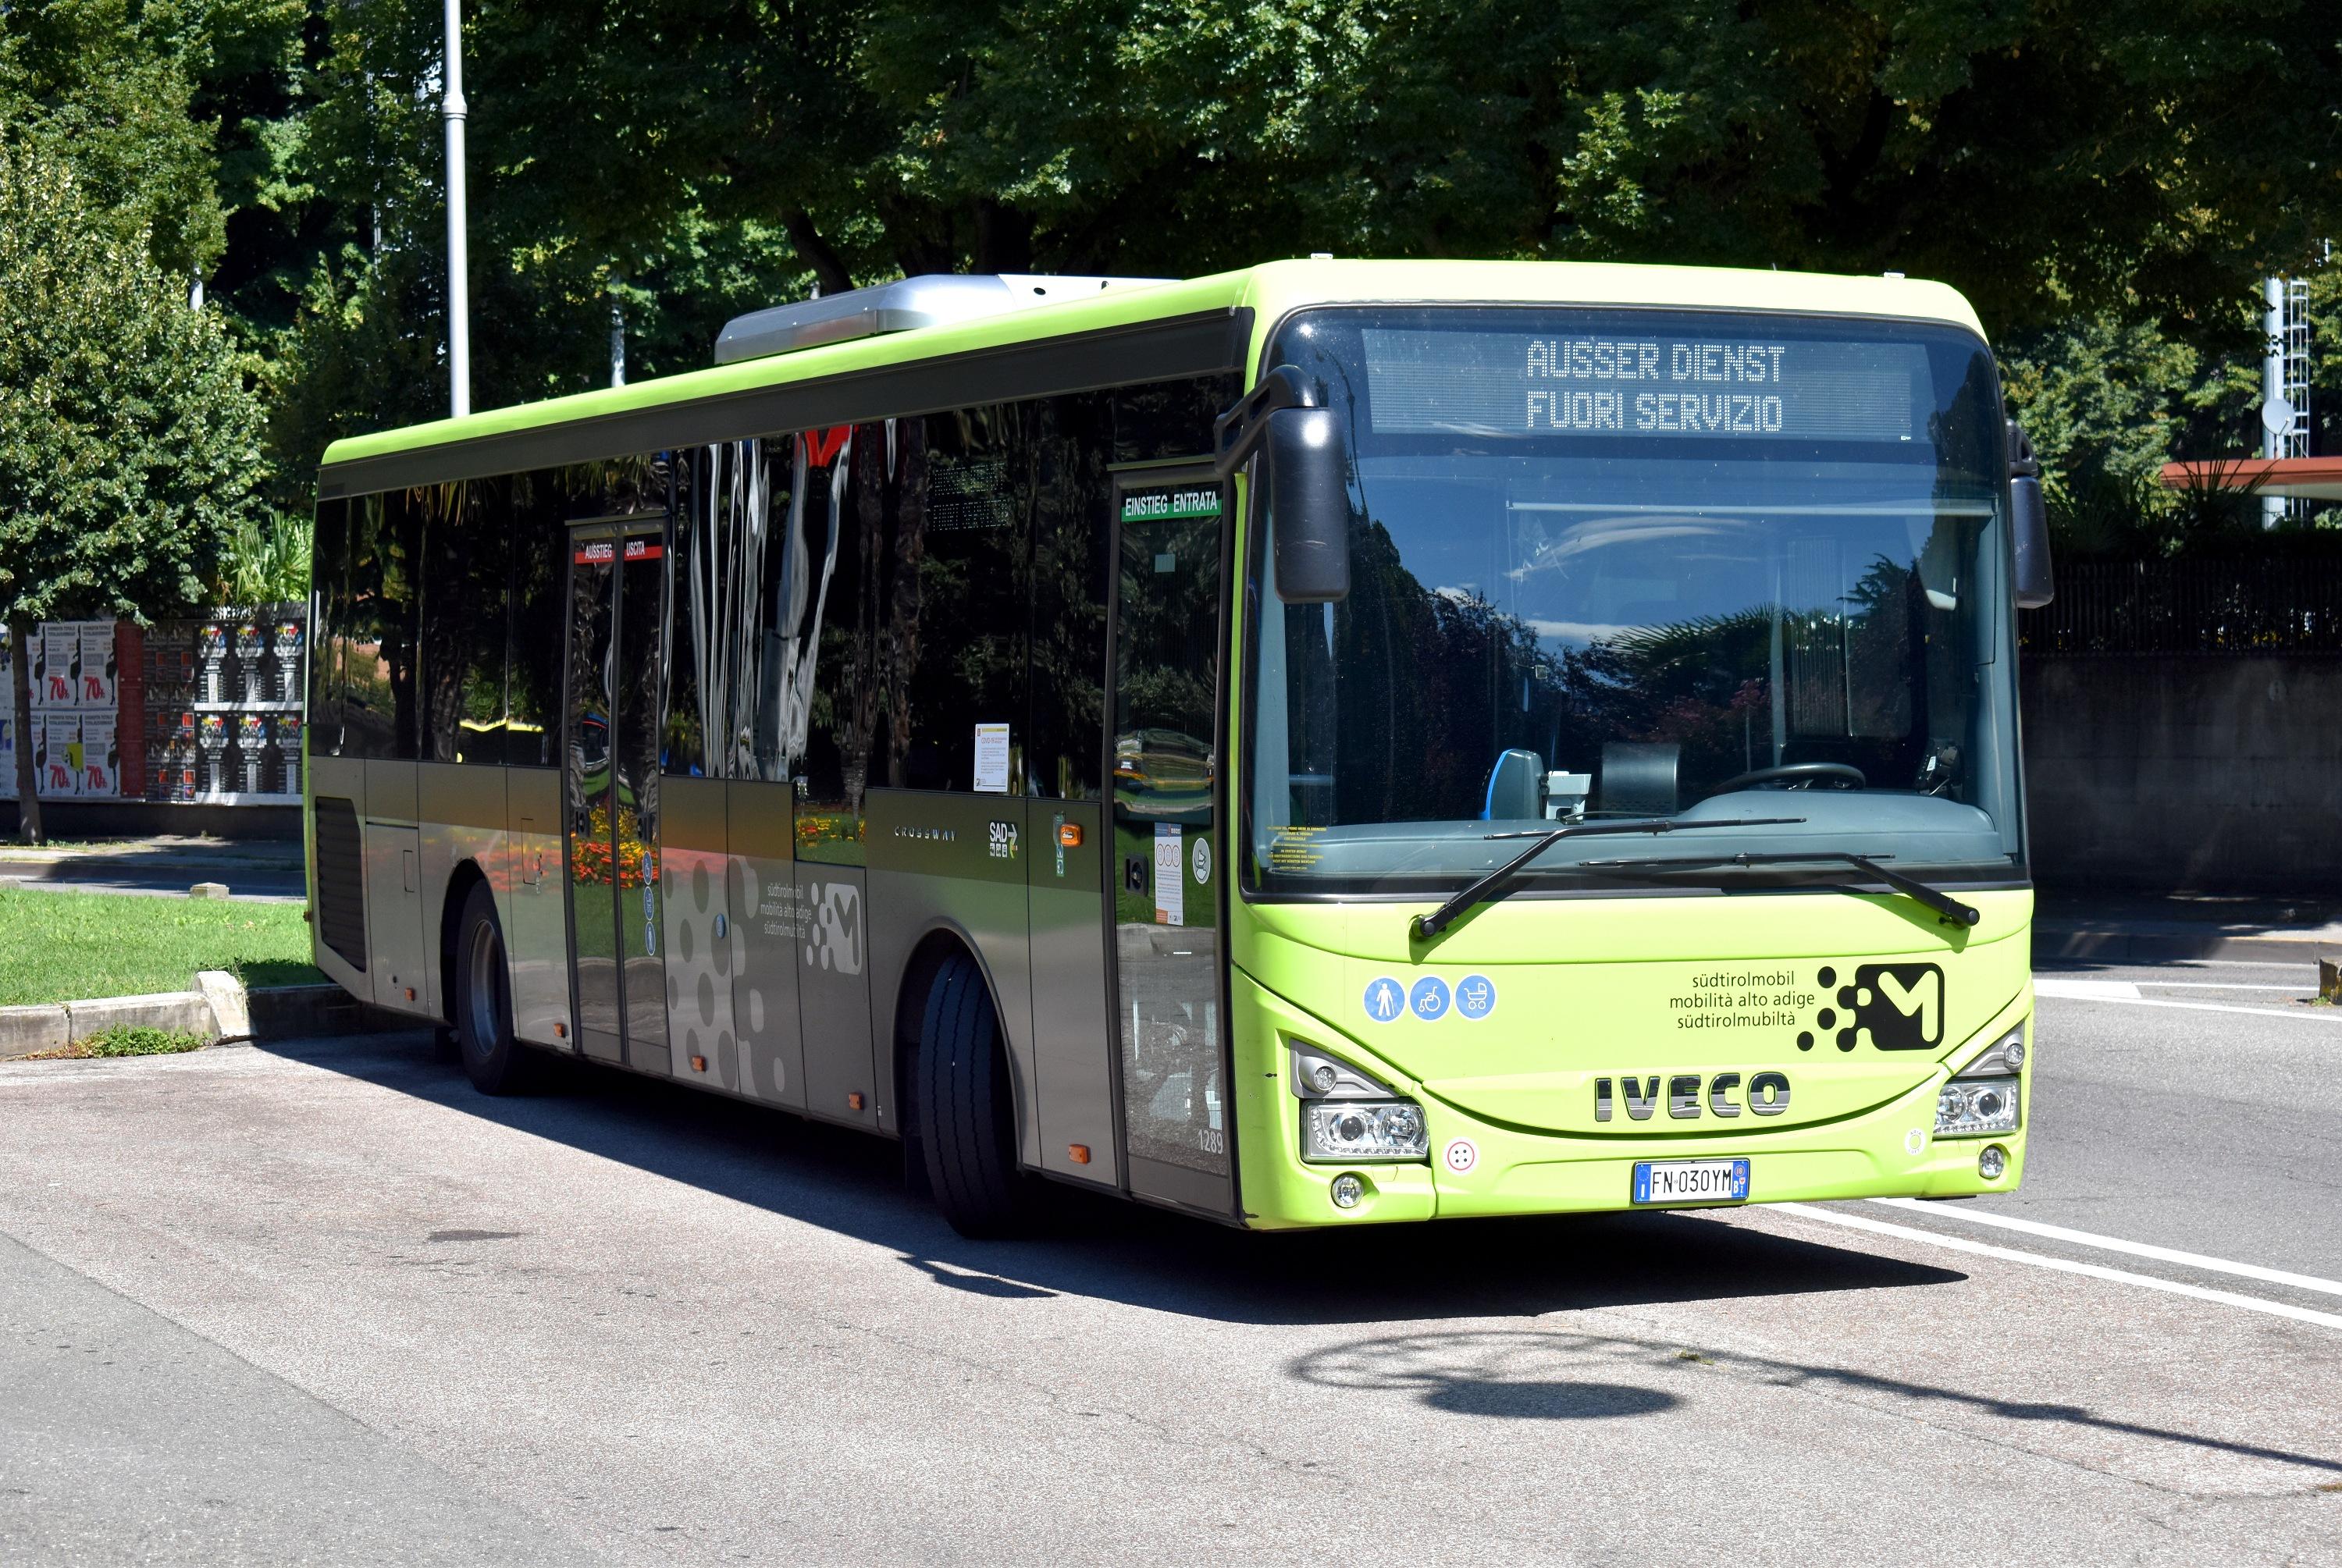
(486, 969)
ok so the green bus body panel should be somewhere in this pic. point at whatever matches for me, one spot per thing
(1587, 988)
(1269, 292)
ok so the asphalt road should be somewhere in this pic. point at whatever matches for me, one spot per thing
(322, 1302)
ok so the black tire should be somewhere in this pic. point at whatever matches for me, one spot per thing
(968, 1122)
(496, 1063)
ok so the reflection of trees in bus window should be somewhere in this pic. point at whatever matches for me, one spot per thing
(963, 596)
(468, 540)
(1072, 497)
(329, 569)
(376, 651)
(543, 502)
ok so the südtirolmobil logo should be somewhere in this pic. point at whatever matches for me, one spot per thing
(1889, 1007)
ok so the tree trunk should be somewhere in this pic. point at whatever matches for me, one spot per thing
(28, 800)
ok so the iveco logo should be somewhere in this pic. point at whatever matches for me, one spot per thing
(1767, 1095)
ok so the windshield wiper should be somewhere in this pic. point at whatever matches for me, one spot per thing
(1427, 926)
(1950, 909)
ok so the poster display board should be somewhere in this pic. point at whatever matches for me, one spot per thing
(202, 711)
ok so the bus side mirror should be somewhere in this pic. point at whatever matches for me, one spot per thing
(1309, 500)
(2028, 522)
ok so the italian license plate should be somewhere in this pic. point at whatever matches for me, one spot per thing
(1691, 1180)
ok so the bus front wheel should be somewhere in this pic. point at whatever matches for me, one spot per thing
(496, 1063)
(968, 1122)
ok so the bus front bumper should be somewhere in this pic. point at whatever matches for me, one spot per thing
(1478, 1168)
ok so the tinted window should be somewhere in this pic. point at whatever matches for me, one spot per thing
(375, 655)
(468, 556)
(544, 504)
(958, 619)
(1072, 506)
(836, 698)
(329, 599)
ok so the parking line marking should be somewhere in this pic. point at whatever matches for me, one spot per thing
(2061, 1265)
(2114, 1244)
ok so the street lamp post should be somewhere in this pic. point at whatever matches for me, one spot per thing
(459, 291)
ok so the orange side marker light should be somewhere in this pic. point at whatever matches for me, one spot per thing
(854, 1101)
(1070, 834)
(1079, 1154)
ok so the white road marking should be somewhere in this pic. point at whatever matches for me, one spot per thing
(2113, 1245)
(2125, 992)
(2087, 990)
(2225, 985)
(2061, 1265)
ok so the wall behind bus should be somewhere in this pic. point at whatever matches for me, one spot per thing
(2185, 773)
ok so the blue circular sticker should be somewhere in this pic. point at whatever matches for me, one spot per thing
(1428, 1000)
(1384, 1001)
(1476, 996)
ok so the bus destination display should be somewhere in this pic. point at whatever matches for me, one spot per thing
(1655, 384)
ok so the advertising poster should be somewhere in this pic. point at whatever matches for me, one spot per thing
(7, 749)
(56, 666)
(56, 753)
(98, 771)
(94, 646)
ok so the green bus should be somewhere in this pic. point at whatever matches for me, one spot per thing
(1333, 743)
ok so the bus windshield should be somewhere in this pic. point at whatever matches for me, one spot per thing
(1618, 564)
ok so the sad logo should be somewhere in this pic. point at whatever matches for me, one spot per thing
(1890, 1006)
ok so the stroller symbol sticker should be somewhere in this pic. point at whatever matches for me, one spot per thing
(1476, 996)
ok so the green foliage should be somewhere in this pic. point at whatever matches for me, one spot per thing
(267, 562)
(2107, 182)
(132, 1040)
(131, 445)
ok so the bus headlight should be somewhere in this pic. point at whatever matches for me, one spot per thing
(1348, 1130)
(1973, 1107)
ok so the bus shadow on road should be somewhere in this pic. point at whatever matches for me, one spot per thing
(1093, 1245)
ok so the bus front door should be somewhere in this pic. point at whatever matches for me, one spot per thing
(1170, 528)
(610, 778)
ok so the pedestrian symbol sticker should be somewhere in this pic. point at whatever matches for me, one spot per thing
(1476, 996)
(1385, 1001)
(1428, 1000)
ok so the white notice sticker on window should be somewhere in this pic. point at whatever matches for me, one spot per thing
(992, 759)
(1170, 877)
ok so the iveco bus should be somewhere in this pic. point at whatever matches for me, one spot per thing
(1334, 742)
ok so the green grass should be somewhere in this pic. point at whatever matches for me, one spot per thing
(66, 946)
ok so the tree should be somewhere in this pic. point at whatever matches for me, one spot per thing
(129, 443)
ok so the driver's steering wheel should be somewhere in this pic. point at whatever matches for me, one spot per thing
(1798, 775)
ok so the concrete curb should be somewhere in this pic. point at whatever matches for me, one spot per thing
(219, 1009)
(2122, 945)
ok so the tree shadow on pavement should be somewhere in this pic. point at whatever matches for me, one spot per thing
(1093, 1246)
(1555, 1375)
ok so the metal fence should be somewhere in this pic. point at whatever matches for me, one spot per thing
(2264, 604)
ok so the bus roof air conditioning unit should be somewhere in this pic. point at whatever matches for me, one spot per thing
(936, 299)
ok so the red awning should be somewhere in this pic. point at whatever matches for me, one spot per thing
(2307, 478)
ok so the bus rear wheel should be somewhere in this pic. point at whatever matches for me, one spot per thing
(968, 1121)
(496, 1063)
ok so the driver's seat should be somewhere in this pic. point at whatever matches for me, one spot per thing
(1639, 778)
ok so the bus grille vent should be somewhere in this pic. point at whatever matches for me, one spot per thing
(341, 880)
